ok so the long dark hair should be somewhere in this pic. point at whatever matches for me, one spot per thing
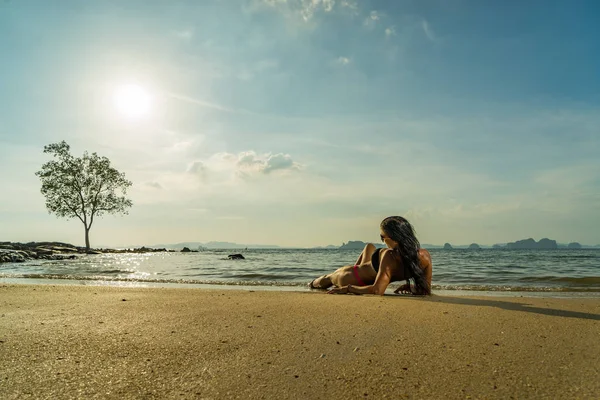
(401, 231)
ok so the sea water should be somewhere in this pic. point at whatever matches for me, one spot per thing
(575, 272)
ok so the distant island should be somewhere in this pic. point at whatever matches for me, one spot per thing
(525, 244)
(532, 244)
(357, 245)
(19, 252)
(215, 245)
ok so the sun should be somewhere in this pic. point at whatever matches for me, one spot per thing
(132, 101)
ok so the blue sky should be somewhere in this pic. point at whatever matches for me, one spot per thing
(306, 122)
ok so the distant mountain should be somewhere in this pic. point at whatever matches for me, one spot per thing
(532, 244)
(174, 246)
(229, 245)
(214, 245)
(430, 246)
(357, 245)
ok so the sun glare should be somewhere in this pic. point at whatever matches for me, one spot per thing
(132, 101)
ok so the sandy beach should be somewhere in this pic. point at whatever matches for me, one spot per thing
(109, 342)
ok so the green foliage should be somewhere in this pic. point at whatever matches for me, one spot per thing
(82, 187)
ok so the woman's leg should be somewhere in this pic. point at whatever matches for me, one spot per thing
(366, 254)
(338, 277)
(322, 282)
(333, 279)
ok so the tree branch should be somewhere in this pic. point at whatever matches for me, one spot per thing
(73, 210)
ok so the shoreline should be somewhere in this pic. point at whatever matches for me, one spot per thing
(72, 341)
(566, 294)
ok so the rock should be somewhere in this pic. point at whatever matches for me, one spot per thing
(63, 249)
(447, 246)
(185, 250)
(8, 255)
(19, 252)
(62, 257)
(44, 251)
(474, 246)
(574, 245)
(236, 257)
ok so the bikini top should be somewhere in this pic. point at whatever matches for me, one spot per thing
(375, 260)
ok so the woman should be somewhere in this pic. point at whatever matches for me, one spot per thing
(403, 259)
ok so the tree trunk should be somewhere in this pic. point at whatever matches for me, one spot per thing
(87, 239)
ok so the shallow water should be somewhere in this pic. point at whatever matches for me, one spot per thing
(487, 270)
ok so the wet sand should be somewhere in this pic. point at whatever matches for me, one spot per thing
(106, 342)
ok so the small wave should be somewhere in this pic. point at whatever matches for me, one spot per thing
(270, 277)
(584, 280)
(256, 281)
(114, 271)
(147, 280)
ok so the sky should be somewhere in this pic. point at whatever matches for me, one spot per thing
(306, 122)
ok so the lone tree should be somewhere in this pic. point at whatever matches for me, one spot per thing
(85, 187)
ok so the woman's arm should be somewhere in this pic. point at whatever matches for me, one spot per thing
(428, 269)
(384, 277)
(352, 289)
(425, 261)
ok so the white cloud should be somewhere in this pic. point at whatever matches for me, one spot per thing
(198, 168)
(274, 3)
(428, 30)
(280, 162)
(308, 9)
(343, 60)
(372, 19)
(250, 163)
(327, 4)
(390, 31)
(350, 5)
(224, 168)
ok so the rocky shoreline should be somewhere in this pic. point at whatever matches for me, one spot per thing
(21, 252)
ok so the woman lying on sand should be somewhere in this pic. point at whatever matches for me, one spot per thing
(403, 259)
